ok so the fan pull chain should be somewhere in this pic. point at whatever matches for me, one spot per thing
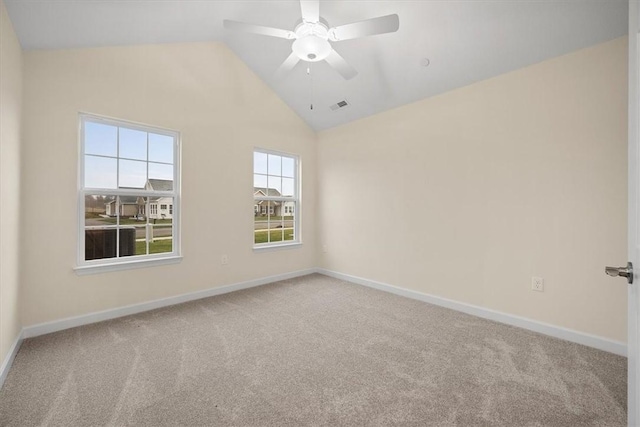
(311, 85)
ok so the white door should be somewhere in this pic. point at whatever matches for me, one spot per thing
(634, 214)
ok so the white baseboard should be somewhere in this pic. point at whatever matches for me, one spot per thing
(99, 316)
(509, 319)
(8, 361)
(600, 343)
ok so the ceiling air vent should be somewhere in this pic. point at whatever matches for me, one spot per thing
(339, 105)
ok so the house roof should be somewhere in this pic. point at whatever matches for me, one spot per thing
(271, 192)
(126, 200)
(161, 184)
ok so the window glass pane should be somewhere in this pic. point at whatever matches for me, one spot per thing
(288, 167)
(161, 172)
(288, 187)
(276, 224)
(161, 210)
(100, 172)
(288, 220)
(133, 174)
(99, 211)
(160, 238)
(260, 222)
(130, 209)
(160, 148)
(259, 162)
(140, 246)
(275, 165)
(133, 144)
(100, 139)
(260, 181)
(127, 241)
(275, 183)
(99, 243)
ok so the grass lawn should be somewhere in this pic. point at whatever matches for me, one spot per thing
(276, 235)
(260, 218)
(131, 221)
(157, 247)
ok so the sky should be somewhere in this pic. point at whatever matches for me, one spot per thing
(101, 142)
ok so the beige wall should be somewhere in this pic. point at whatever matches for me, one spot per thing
(479, 189)
(475, 190)
(10, 121)
(222, 110)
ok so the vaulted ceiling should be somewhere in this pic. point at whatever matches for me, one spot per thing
(462, 41)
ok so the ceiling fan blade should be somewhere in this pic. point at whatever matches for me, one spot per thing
(258, 29)
(287, 65)
(310, 10)
(368, 27)
(340, 65)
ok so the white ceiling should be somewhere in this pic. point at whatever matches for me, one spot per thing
(465, 41)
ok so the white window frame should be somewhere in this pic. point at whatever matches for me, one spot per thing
(135, 261)
(297, 199)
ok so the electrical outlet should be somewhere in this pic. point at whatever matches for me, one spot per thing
(537, 284)
(224, 259)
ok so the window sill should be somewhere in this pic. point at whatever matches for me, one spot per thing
(276, 247)
(126, 265)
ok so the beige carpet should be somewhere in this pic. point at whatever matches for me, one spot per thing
(310, 351)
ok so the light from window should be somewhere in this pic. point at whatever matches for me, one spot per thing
(128, 170)
(275, 193)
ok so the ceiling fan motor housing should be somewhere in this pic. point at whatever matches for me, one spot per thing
(311, 42)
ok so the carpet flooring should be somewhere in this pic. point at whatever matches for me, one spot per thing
(310, 351)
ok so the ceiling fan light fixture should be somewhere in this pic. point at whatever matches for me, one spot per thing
(311, 48)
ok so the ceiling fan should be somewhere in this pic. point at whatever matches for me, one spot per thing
(312, 37)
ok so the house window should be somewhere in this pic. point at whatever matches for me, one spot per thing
(170, 209)
(163, 207)
(275, 187)
(125, 167)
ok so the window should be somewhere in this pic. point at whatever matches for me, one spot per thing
(163, 207)
(276, 192)
(126, 170)
(170, 209)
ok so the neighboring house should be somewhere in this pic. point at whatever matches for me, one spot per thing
(273, 208)
(130, 206)
(161, 208)
(133, 206)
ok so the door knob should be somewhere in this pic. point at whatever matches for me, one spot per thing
(621, 271)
